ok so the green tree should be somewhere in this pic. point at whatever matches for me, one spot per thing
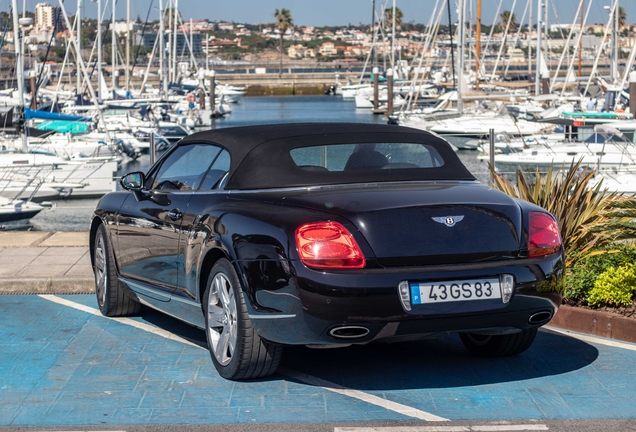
(388, 16)
(622, 16)
(283, 23)
(169, 17)
(503, 21)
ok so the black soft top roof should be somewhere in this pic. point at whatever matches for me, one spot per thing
(260, 154)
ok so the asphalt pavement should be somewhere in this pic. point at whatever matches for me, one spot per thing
(64, 365)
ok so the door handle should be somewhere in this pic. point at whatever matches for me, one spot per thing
(175, 214)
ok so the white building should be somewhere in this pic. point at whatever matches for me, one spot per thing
(123, 26)
(47, 17)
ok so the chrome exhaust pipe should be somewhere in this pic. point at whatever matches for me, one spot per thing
(540, 318)
(348, 332)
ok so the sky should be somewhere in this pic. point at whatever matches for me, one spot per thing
(330, 12)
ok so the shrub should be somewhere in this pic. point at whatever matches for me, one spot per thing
(582, 274)
(588, 216)
(614, 287)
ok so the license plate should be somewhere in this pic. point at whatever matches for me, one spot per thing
(452, 291)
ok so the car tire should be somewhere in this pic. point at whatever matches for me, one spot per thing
(237, 351)
(111, 297)
(498, 345)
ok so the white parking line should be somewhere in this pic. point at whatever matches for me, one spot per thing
(142, 326)
(480, 428)
(507, 428)
(336, 388)
(356, 394)
(404, 429)
(593, 339)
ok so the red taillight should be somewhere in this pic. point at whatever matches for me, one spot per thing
(328, 245)
(544, 238)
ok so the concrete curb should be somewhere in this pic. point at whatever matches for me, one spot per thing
(48, 285)
(599, 323)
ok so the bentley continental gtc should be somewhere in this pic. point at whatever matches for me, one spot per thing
(324, 235)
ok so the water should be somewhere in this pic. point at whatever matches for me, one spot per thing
(75, 214)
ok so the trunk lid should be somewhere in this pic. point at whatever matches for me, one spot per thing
(424, 224)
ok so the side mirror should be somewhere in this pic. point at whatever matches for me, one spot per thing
(133, 181)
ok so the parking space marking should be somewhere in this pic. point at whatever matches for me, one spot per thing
(366, 397)
(593, 339)
(127, 321)
(480, 428)
(307, 379)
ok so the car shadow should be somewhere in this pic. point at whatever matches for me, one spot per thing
(430, 363)
(177, 327)
(437, 363)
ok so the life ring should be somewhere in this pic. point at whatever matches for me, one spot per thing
(190, 98)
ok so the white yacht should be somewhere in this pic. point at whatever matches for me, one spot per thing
(76, 177)
(15, 213)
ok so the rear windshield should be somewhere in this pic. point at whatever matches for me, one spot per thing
(343, 158)
(348, 157)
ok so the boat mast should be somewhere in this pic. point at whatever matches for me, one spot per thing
(537, 76)
(580, 40)
(175, 11)
(450, 34)
(113, 49)
(373, 51)
(614, 55)
(477, 44)
(100, 114)
(462, 49)
(79, 42)
(393, 37)
(100, 94)
(529, 39)
(19, 62)
(170, 36)
(127, 72)
(162, 54)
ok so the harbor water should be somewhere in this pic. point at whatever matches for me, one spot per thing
(75, 214)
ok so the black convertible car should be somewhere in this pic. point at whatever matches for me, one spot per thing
(325, 235)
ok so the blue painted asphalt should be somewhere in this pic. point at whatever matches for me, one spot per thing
(63, 367)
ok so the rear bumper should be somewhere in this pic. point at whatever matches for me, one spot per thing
(311, 303)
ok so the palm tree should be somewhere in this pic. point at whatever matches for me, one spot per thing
(503, 21)
(283, 22)
(622, 15)
(388, 16)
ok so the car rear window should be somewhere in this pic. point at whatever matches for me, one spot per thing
(367, 156)
(346, 158)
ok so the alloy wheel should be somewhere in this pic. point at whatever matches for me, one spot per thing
(222, 319)
(101, 270)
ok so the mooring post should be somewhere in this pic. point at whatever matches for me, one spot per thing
(545, 82)
(632, 93)
(152, 150)
(375, 88)
(34, 93)
(389, 81)
(212, 97)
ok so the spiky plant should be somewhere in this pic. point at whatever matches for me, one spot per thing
(588, 215)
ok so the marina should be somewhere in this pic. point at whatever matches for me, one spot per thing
(431, 212)
(519, 94)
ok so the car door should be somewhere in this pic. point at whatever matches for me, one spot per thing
(150, 222)
(199, 224)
